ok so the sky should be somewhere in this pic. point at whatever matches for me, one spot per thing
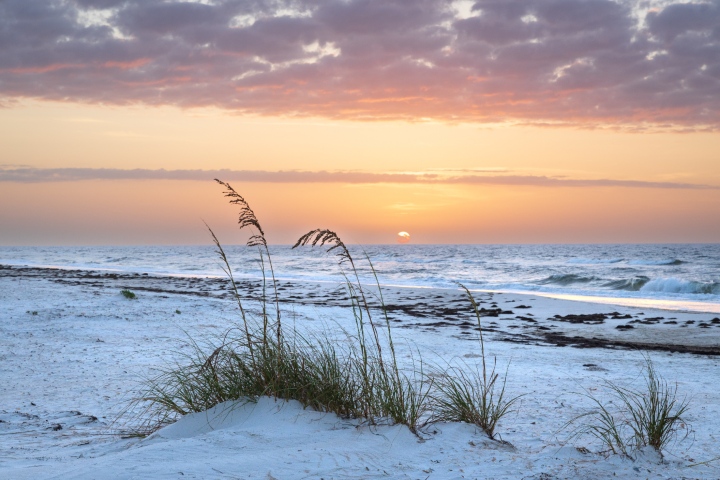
(490, 121)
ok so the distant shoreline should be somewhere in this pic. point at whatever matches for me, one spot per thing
(670, 277)
(519, 317)
(609, 299)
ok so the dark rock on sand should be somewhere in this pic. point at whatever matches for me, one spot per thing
(586, 318)
(594, 368)
(647, 321)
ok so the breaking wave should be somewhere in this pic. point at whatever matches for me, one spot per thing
(676, 285)
(566, 279)
(630, 284)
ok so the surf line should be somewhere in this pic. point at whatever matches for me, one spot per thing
(673, 305)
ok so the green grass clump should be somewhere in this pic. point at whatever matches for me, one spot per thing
(317, 377)
(128, 294)
(635, 419)
(357, 378)
(385, 391)
(477, 397)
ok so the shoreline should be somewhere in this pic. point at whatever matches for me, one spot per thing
(667, 292)
(518, 317)
(655, 304)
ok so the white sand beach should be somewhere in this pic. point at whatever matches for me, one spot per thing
(74, 352)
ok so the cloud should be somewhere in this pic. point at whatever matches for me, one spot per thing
(549, 62)
(21, 174)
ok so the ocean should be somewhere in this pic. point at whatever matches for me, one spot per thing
(676, 276)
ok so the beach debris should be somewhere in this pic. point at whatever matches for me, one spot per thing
(585, 318)
(494, 312)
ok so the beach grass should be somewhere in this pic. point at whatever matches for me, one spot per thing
(475, 396)
(128, 294)
(635, 418)
(358, 378)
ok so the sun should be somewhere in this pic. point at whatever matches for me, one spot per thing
(403, 237)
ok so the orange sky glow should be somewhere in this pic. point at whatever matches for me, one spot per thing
(458, 122)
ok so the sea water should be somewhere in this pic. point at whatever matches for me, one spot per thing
(679, 276)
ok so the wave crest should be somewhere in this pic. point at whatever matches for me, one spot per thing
(676, 285)
(565, 279)
(630, 284)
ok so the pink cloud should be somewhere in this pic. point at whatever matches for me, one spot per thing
(43, 69)
(547, 62)
(127, 65)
